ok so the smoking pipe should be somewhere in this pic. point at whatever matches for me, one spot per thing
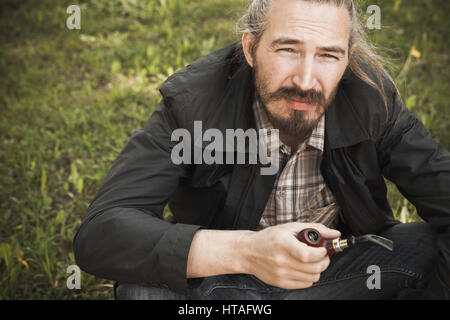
(313, 238)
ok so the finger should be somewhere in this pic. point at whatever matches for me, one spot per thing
(304, 277)
(311, 268)
(304, 253)
(290, 284)
(326, 232)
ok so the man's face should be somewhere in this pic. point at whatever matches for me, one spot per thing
(299, 62)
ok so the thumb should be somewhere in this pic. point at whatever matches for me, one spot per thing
(326, 232)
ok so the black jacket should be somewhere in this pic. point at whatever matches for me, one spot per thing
(124, 237)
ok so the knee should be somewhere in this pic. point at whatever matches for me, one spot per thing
(415, 232)
(417, 241)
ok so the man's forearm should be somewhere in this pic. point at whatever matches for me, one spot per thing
(215, 252)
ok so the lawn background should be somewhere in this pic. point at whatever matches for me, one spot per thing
(70, 99)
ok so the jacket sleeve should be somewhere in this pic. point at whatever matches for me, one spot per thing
(420, 167)
(123, 236)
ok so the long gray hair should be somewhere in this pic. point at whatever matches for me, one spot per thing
(255, 22)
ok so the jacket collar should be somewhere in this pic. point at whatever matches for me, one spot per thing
(342, 126)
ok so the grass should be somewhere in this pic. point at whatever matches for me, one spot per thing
(70, 99)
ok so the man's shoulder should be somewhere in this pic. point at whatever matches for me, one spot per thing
(198, 83)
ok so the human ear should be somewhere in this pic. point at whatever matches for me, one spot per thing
(352, 50)
(248, 41)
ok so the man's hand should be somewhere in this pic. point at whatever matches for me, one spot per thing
(275, 256)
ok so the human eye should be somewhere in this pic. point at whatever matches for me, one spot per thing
(329, 56)
(288, 50)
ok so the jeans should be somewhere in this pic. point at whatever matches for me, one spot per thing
(403, 275)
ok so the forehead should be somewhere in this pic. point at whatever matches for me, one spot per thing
(310, 22)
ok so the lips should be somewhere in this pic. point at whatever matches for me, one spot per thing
(298, 104)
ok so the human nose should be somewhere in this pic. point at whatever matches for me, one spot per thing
(304, 77)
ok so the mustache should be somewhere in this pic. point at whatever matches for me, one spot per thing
(309, 96)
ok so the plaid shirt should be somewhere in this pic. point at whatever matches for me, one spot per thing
(299, 193)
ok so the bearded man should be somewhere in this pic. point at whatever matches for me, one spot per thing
(304, 68)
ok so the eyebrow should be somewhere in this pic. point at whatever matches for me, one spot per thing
(287, 41)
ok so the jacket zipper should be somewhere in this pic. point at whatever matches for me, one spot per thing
(244, 196)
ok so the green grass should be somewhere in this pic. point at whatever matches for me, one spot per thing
(70, 99)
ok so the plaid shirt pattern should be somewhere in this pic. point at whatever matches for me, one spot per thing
(300, 193)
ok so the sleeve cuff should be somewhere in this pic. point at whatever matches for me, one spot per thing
(173, 262)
